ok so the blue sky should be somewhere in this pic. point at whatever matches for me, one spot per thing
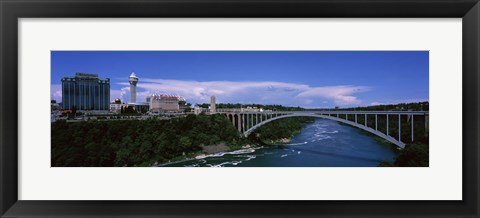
(292, 78)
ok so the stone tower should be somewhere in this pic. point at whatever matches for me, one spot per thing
(212, 104)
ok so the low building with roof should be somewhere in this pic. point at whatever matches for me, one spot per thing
(166, 103)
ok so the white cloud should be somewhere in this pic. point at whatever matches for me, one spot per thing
(267, 92)
(341, 95)
(377, 103)
(124, 94)
(56, 92)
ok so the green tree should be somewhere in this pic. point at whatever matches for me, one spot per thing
(413, 155)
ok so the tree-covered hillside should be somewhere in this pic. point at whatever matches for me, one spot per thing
(136, 142)
(146, 142)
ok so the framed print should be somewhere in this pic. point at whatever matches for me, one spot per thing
(178, 108)
(207, 134)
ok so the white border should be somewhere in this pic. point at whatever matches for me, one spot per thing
(441, 181)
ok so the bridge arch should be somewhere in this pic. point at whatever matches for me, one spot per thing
(354, 124)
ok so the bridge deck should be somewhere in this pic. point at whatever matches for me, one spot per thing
(327, 112)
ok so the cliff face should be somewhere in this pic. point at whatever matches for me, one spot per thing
(212, 149)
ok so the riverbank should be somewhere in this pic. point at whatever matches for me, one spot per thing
(281, 141)
(211, 151)
(282, 131)
(279, 132)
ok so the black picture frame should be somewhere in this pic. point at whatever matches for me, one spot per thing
(12, 10)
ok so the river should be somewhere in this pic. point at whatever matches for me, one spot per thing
(323, 143)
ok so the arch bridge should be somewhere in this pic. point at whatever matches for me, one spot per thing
(247, 122)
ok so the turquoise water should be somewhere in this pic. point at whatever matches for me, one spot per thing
(324, 143)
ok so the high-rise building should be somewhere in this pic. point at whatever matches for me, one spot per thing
(212, 104)
(133, 79)
(85, 91)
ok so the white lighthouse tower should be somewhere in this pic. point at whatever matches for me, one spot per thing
(133, 79)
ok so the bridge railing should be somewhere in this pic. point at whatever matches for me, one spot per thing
(322, 112)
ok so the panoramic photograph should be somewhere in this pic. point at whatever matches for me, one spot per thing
(239, 108)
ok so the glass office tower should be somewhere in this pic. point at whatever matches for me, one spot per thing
(86, 92)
